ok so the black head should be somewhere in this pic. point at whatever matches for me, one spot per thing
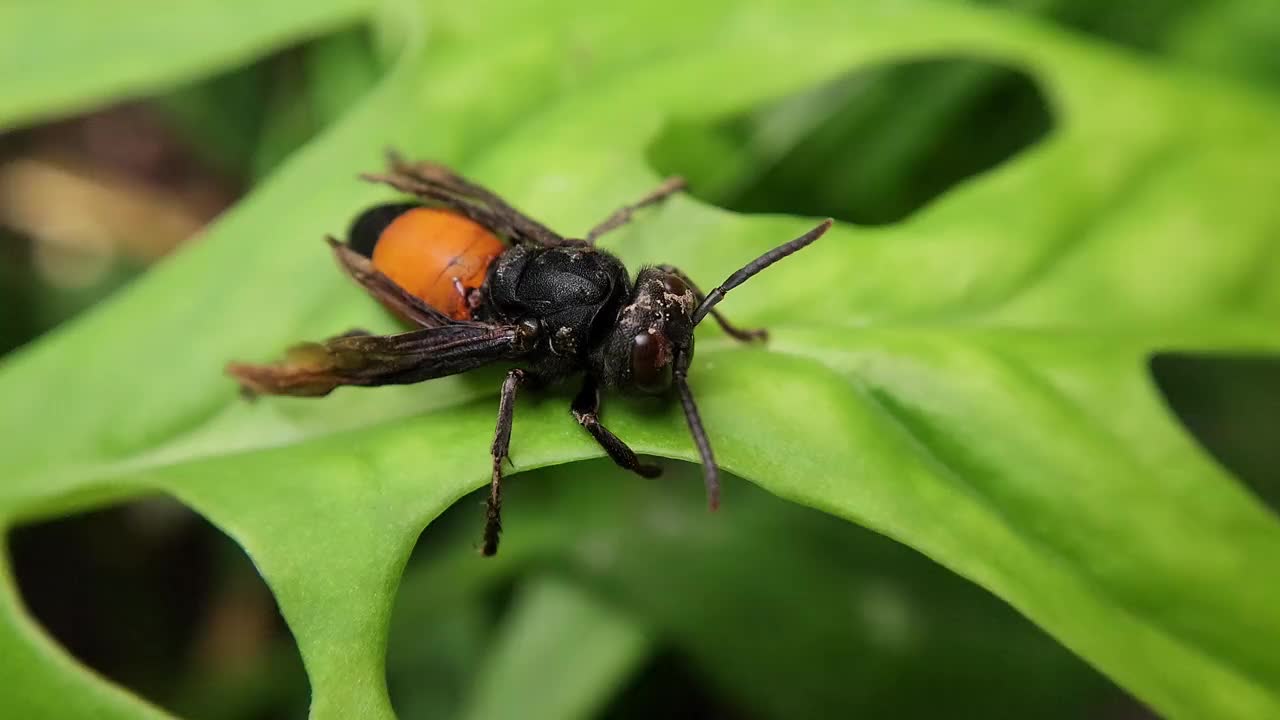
(653, 328)
(650, 346)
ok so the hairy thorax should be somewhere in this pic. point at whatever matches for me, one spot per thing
(571, 291)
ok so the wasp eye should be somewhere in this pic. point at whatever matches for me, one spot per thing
(674, 285)
(651, 362)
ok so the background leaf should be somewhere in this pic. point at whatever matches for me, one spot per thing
(971, 382)
(786, 611)
(561, 655)
(47, 49)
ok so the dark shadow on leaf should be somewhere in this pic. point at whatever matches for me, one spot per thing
(1231, 405)
(155, 598)
(870, 148)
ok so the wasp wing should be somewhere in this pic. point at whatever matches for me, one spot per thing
(315, 369)
(395, 298)
(439, 185)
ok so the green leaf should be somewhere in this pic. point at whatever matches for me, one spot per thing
(971, 382)
(219, 117)
(781, 609)
(326, 79)
(432, 655)
(1235, 37)
(561, 655)
(341, 68)
(61, 57)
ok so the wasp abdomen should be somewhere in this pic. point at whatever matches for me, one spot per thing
(436, 255)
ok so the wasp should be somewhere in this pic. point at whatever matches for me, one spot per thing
(482, 283)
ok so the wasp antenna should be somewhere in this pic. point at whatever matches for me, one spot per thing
(747, 271)
(710, 473)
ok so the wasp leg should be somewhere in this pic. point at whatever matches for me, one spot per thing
(733, 331)
(586, 409)
(501, 443)
(622, 215)
(472, 298)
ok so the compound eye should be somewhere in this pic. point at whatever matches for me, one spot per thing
(651, 362)
(674, 285)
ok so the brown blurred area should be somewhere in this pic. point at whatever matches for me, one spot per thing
(86, 202)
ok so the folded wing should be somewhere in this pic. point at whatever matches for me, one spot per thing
(314, 369)
(437, 185)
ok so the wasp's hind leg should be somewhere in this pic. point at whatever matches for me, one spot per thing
(733, 331)
(586, 409)
(622, 215)
(501, 443)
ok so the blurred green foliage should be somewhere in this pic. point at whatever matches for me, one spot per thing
(1033, 458)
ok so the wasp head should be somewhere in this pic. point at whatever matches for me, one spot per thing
(650, 345)
(652, 336)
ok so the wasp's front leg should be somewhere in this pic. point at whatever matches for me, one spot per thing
(501, 444)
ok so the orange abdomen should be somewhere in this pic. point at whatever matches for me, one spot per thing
(432, 253)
